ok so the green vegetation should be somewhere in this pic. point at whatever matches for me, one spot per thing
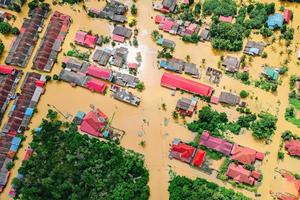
(292, 82)
(223, 169)
(38, 3)
(5, 28)
(219, 7)
(140, 86)
(78, 54)
(75, 166)
(215, 155)
(280, 155)
(244, 94)
(183, 188)
(1, 47)
(133, 9)
(194, 38)
(266, 85)
(264, 127)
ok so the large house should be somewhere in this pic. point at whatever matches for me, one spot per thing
(275, 21)
(245, 155)
(85, 39)
(241, 175)
(186, 106)
(94, 122)
(293, 147)
(228, 98)
(254, 48)
(231, 64)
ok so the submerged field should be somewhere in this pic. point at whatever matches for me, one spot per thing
(148, 121)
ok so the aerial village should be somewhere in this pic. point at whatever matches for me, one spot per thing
(140, 99)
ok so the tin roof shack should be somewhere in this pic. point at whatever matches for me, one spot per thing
(74, 64)
(231, 64)
(73, 78)
(23, 108)
(174, 65)
(205, 34)
(254, 48)
(119, 57)
(85, 39)
(94, 122)
(125, 79)
(9, 79)
(215, 143)
(52, 41)
(287, 15)
(186, 107)
(241, 175)
(120, 33)
(293, 147)
(275, 21)
(228, 98)
(174, 82)
(166, 43)
(124, 95)
(78, 117)
(245, 155)
(114, 11)
(270, 73)
(101, 57)
(169, 5)
(23, 45)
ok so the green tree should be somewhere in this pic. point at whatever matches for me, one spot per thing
(244, 94)
(5, 28)
(1, 47)
(133, 9)
(265, 126)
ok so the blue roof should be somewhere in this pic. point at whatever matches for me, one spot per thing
(14, 148)
(106, 133)
(29, 111)
(80, 114)
(16, 141)
(254, 50)
(159, 41)
(176, 141)
(13, 107)
(166, 65)
(37, 130)
(275, 21)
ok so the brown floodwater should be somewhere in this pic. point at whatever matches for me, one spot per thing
(148, 121)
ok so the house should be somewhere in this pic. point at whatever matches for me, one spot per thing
(78, 117)
(270, 73)
(159, 19)
(167, 25)
(123, 79)
(94, 122)
(119, 56)
(287, 15)
(215, 143)
(52, 41)
(23, 45)
(72, 77)
(214, 75)
(98, 72)
(169, 5)
(10, 4)
(275, 21)
(166, 43)
(174, 82)
(293, 147)
(5, 69)
(172, 65)
(85, 39)
(191, 69)
(72, 63)
(205, 35)
(118, 38)
(182, 151)
(101, 57)
(96, 85)
(186, 106)
(114, 11)
(245, 155)
(199, 158)
(231, 64)
(192, 28)
(254, 48)
(122, 31)
(240, 175)
(228, 98)
(227, 19)
(124, 95)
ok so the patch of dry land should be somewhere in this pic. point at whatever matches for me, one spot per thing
(155, 125)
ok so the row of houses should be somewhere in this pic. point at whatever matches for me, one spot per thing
(9, 79)
(175, 82)
(25, 104)
(23, 45)
(242, 156)
(52, 41)
(180, 66)
(114, 11)
(186, 153)
(176, 27)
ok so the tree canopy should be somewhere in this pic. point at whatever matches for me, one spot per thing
(219, 7)
(183, 188)
(265, 126)
(68, 165)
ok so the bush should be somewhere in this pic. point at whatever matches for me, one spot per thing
(265, 126)
(15, 31)
(55, 77)
(48, 78)
(1, 47)
(244, 94)
(10, 165)
(280, 155)
(133, 9)
(140, 86)
(5, 28)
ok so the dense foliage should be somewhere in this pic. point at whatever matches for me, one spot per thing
(219, 7)
(68, 165)
(182, 188)
(265, 126)
(1, 47)
(5, 28)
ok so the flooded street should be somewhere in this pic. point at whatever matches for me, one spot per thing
(147, 122)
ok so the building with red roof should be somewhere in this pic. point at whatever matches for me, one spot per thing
(182, 152)
(177, 82)
(5, 69)
(293, 147)
(167, 25)
(99, 72)
(94, 122)
(287, 15)
(239, 174)
(226, 19)
(118, 38)
(245, 155)
(199, 158)
(96, 85)
(159, 19)
(215, 143)
(85, 39)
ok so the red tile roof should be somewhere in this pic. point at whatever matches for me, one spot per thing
(214, 100)
(244, 155)
(168, 24)
(96, 85)
(93, 123)
(255, 174)
(293, 147)
(90, 41)
(215, 143)
(177, 82)
(118, 38)
(226, 19)
(132, 65)
(98, 72)
(5, 69)
(199, 158)
(240, 174)
(159, 19)
(182, 152)
(287, 14)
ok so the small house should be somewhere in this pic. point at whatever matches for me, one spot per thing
(231, 64)
(186, 106)
(166, 43)
(84, 39)
(245, 155)
(227, 19)
(191, 69)
(99, 72)
(169, 5)
(254, 48)
(287, 15)
(101, 57)
(122, 31)
(270, 73)
(94, 122)
(240, 175)
(275, 21)
(293, 147)
(205, 34)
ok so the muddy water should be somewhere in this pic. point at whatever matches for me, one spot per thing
(147, 121)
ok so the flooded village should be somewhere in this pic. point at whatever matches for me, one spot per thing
(159, 81)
